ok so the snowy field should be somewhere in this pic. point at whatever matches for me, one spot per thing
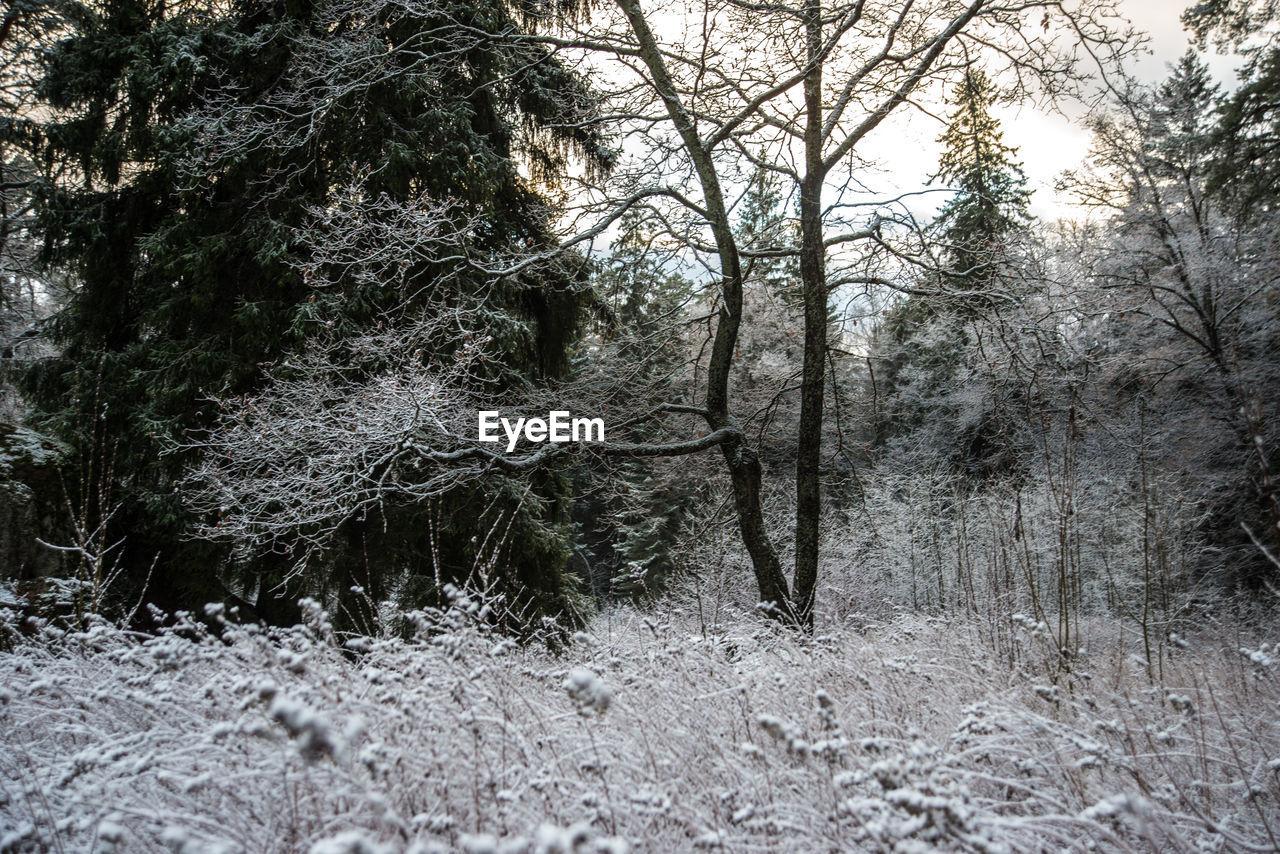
(645, 733)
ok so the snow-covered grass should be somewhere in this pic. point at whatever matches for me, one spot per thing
(642, 734)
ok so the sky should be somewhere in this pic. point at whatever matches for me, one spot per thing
(902, 154)
(1047, 143)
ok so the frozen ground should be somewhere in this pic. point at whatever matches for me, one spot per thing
(644, 734)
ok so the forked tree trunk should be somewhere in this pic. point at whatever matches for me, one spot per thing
(742, 461)
(744, 467)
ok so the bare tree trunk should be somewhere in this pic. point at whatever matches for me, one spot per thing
(813, 280)
(742, 461)
(728, 111)
(745, 472)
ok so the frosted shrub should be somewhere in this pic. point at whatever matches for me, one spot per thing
(907, 735)
(587, 691)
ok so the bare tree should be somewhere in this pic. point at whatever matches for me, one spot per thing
(795, 89)
(702, 96)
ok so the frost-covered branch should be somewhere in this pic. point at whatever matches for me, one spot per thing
(352, 424)
(333, 435)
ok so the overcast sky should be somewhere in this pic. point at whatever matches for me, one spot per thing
(1047, 143)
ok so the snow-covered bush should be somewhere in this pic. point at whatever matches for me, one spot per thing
(907, 735)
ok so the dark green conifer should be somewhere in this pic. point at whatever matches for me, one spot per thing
(631, 511)
(206, 137)
(991, 197)
(923, 345)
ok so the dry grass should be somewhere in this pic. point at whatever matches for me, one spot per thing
(645, 734)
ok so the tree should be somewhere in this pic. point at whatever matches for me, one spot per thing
(926, 342)
(26, 28)
(1247, 138)
(30, 464)
(1243, 24)
(723, 105)
(254, 177)
(1190, 288)
(990, 203)
(1246, 143)
(629, 512)
(710, 111)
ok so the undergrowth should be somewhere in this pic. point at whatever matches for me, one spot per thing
(643, 734)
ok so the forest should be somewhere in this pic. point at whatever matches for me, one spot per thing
(553, 427)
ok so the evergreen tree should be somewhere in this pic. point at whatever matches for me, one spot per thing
(27, 27)
(923, 347)
(1184, 113)
(1246, 143)
(213, 142)
(762, 225)
(991, 197)
(630, 512)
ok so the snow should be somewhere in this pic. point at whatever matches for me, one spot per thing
(587, 690)
(643, 734)
(354, 842)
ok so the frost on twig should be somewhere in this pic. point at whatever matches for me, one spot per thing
(346, 425)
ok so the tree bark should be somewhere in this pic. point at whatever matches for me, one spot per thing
(814, 289)
(742, 461)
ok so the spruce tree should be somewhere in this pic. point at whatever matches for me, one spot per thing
(762, 225)
(207, 139)
(1246, 143)
(991, 197)
(923, 344)
(629, 512)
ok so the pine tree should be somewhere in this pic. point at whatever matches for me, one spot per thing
(924, 343)
(630, 512)
(210, 141)
(1246, 171)
(991, 198)
(27, 28)
(762, 225)
(1246, 142)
